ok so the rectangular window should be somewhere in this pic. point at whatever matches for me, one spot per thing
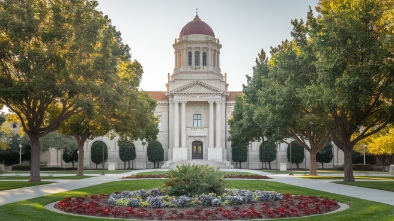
(197, 120)
(204, 59)
(159, 123)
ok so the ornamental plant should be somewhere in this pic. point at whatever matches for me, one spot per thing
(193, 180)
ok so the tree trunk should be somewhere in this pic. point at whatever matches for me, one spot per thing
(312, 160)
(348, 166)
(269, 165)
(72, 162)
(124, 167)
(132, 166)
(129, 165)
(298, 165)
(240, 165)
(81, 153)
(322, 165)
(96, 166)
(35, 159)
(103, 165)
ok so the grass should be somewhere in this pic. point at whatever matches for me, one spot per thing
(355, 177)
(380, 185)
(165, 172)
(360, 210)
(8, 185)
(75, 171)
(44, 177)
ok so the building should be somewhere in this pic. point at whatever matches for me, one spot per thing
(193, 110)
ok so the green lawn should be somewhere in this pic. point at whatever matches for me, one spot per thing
(8, 185)
(360, 210)
(380, 185)
(165, 172)
(355, 177)
(44, 177)
(75, 172)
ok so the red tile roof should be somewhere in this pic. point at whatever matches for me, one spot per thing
(233, 94)
(158, 95)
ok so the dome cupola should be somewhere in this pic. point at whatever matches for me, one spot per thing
(197, 27)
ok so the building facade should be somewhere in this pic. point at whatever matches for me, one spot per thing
(193, 111)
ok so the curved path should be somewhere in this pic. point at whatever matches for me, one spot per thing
(15, 195)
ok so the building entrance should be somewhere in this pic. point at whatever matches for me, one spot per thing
(197, 150)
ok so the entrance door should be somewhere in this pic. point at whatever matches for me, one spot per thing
(197, 150)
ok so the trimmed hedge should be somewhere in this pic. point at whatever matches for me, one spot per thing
(362, 167)
(27, 168)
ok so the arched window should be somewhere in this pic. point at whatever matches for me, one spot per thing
(189, 58)
(204, 59)
(196, 58)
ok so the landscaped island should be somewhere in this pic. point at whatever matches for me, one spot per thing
(196, 193)
(233, 205)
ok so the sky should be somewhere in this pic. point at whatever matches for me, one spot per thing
(244, 27)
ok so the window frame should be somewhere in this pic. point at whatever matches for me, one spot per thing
(196, 120)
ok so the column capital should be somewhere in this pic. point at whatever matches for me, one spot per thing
(177, 102)
(218, 102)
(211, 102)
(183, 102)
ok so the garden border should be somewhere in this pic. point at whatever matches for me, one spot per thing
(51, 207)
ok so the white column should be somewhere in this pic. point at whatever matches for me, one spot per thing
(176, 58)
(176, 124)
(211, 129)
(183, 124)
(218, 125)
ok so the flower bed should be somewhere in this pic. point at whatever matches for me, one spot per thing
(233, 204)
(232, 176)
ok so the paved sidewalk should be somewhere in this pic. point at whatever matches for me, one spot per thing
(15, 195)
(380, 196)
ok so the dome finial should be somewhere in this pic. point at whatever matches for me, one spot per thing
(197, 18)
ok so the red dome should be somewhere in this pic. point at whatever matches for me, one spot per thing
(197, 27)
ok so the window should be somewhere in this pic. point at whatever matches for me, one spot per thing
(204, 59)
(197, 120)
(189, 58)
(196, 58)
(159, 123)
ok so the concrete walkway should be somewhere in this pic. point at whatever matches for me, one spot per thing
(15, 195)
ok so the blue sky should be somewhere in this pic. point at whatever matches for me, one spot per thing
(149, 27)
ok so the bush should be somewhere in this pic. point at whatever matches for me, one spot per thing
(193, 180)
(362, 167)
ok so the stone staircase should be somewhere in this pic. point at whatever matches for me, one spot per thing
(221, 165)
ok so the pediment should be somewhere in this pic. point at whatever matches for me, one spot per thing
(197, 87)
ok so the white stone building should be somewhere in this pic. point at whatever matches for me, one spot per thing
(194, 110)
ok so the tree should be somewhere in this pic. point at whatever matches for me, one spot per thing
(325, 155)
(5, 134)
(126, 152)
(70, 155)
(297, 153)
(243, 122)
(383, 145)
(155, 153)
(120, 110)
(268, 152)
(55, 57)
(354, 86)
(239, 153)
(98, 149)
(11, 156)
